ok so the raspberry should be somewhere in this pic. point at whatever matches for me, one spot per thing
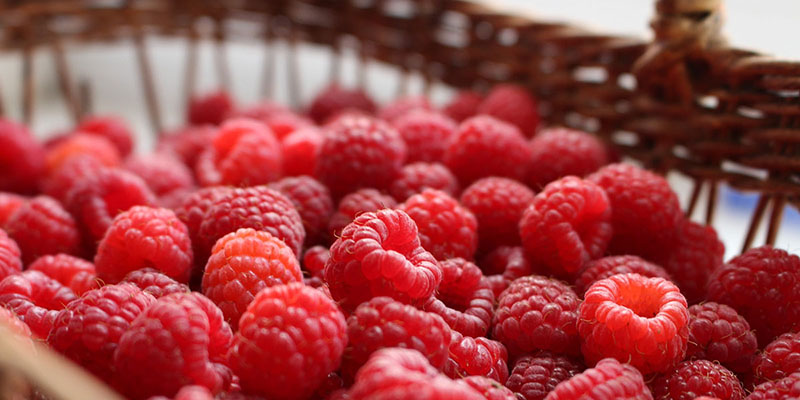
(75, 273)
(163, 174)
(691, 379)
(190, 392)
(559, 152)
(639, 320)
(356, 203)
(111, 128)
(155, 283)
(483, 146)
(763, 285)
(312, 201)
(513, 104)
(426, 134)
(10, 261)
(567, 225)
(21, 158)
(383, 322)
(779, 359)
(606, 381)
(192, 212)
(717, 333)
(359, 152)
(288, 325)
(783, 389)
(537, 313)
(284, 123)
(645, 212)
(536, 375)
(335, 99)
(300, 150)
(379, 254)
(58, 184)
(41, 226)
(35, 298)
(241, 264)
(314, 260)
(498, 204)
(402, 106)
(211, 108)
(244, 153)
(261, 111)
(504, 264)
(88, 330)
(464, 299)
(144, 237)
(697, 253)
(463, 105)
(179, 340)
(11, 325)
(9, 202)
(606, 267)
(416, 177)
(446, 229)
(187, 143)
(489, 388)
(478, 356)
(402, 374)
(82, 145)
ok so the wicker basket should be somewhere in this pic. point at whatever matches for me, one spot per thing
(685, 102)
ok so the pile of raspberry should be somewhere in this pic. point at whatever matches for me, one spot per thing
(355, 251)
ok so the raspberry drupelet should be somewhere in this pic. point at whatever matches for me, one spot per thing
(335, 99)
(426, 134)
(605, 267)
(446, 229)
(314, 260)
(513, 104)
(312, 201)
(718, 333)
(416, 177)
(535, 375)
(10, 256)
(35, 298)
(560, 152)
(73, 272)
(691, 379)
(463, 105)
(479, 356)
(498, 204)
(608, 380)
(154, 282)
(114, 129)
(463, 299)
(300, 150)
(22, 158)
(356, 203)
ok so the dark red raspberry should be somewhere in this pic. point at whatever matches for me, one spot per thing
(186, 143)
(489, 388)
(498, 203)
(691, 379)
(504, 264)
(779, 359)
(314, 261)
(35, 298)
(783, 389)
(559, 152)
(9, 202)
(718, 333)
(288, 325)
(191, 392)
(261, 111)
(537, 313)
(697, 253)
(312, 201)
(88, 330)
(513, 104)
(300, 149)
(244, 152)
(41, 226)
(464, 299)
(402, 106)
(179, 340)
(379, 254)
(144, 237)
(155, 283)
(112, 128)
(192, 212)
(416, 177)
(426, 134)
(446, 229)
(21, 158)
(606, 381)
(210, 108)
(536, 375)
(285, 123)
(58, 184)
(483, 146)
(335, 99)
(356, 203)
(476, 356)
(82, 145)
(359, 152)
(567, 225)
(163, 173)
(73, 272)
(12, 326)
(605, 267)
(241, 264)
(10, 261)
(463, 105)
(639, 320)
(763, 285)
(645, 212)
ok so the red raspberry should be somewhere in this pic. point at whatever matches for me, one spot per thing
(639, 320)
(179, 340)
(504, 264)
(463, 105)
(359, 152)
(379, 254)
(537, 313)
(606, 267)
(446, 229)
(21, 158)
(155, 283)
(109, 127)
(244, 153)
(288, 325)
(477, 356)
(192, 212)
(82, 145)
(697, 253)
(402, 106)
(489, 388)
(210, 108)
(645, 212)
(779, 359)
(312, 201)
(356, 203)
(559, 152)
(284, 123)
(763, 285)
(35, 298)
(89, 329)
(426, 134)
(783, 389)
(402, 374)
(162, 173)
(11, 325)
(464, 299)
(41, 226)
(9, 202)
(513, 104)
(72, 272)
(58, 184)
(606, 381)
(691, 379)
(416, 177)
(567, 225)
(300, 149)
(483, 146)
(10, 261)
(536, 375)
(718, 333)
(241, 264)
(261, 111)
(335, 99)
(187, 143)
(314, 260)
(190, 392)
(498, 204)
